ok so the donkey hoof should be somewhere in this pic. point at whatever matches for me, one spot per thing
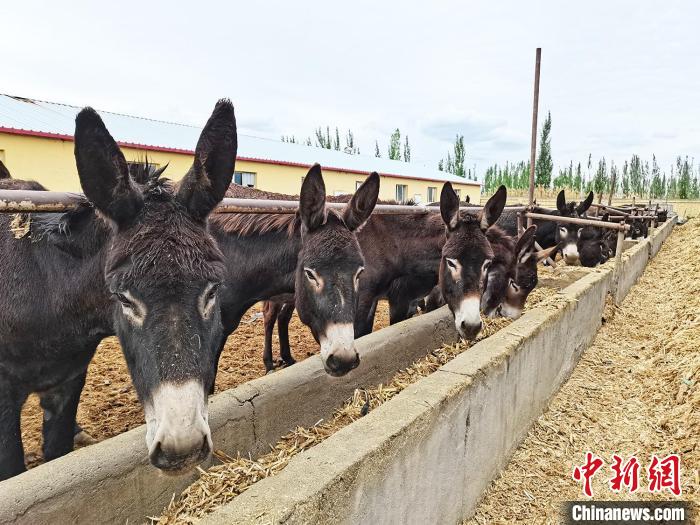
(83, 439)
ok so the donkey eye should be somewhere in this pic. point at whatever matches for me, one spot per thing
(359, 271)
(486, 265)
(514, 286)
(310, 275)
(563, 230)
(123, 299)
(451, 263)
(211, 294)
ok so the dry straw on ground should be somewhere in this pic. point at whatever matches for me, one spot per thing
(635, 391)
(221, 483)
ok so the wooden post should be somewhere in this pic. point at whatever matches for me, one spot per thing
(612, 189)
(533, 140)
(520, 223)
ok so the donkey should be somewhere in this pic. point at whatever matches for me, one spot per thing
(596, 245)
(513, 272)
(403, 255)
(550, 233)
(135, 260)
(312, 258)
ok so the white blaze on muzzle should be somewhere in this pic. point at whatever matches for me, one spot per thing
(570, 252)
(467, 315)
(339, 342)
(177, 419)
(509, 311)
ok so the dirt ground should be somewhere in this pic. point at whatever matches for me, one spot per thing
(109, 405)
(634, 392)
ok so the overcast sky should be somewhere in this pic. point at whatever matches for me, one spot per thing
(619, 77)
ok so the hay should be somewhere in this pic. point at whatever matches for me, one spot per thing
(635, 391)
(221, 483)
(20, 225)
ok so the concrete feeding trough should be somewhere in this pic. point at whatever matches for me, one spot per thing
(426, 455)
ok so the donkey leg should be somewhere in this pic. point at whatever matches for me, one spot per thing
(285, 316)
(398, 309)
(60, 406)
(364, 319)
(11, 450)
(271, 310)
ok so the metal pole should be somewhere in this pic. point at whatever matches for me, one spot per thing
(27, 201)
(583, 222)
(533, 141)
(612, 188)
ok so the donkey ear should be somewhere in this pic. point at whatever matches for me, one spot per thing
(312, 199)
(362, 203)
(214, 162)
(493, 208)
(583, 207)
(561, 202)
(103, 171)
(526, 244)
(449, 206)
(546, 253)
(4, 172)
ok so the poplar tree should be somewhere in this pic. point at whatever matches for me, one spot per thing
(544, 165)
(406, 151)
(395, 145)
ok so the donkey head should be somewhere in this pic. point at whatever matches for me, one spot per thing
(329, 267)
(566, 235)
(466, 257)
(596, 245)
(523, 278)
(163, 270)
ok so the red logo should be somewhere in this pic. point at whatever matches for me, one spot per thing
(587, 471)
(665, 474)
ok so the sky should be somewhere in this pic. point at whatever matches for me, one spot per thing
(618, 77)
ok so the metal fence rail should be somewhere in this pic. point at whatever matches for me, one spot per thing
(26, 201)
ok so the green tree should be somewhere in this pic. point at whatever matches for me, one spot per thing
(376, 149)
(395, 145)
(350, 146)
(544, 165)
(336, 141)
(406, 151)
(600, 178)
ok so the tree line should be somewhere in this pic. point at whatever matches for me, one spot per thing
(634, 178)
(324, 138)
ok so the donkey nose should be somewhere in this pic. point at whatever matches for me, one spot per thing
(338, 366)
(170, 456)
(469, 330)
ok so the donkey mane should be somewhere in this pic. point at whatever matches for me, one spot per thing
(248, 224)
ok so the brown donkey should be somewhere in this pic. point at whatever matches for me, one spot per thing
(137, 261)
(403, 255)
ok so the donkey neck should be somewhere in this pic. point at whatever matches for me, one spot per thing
(259, 266)
(55, 277)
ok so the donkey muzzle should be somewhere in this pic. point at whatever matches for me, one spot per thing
(178, 436)
(338, 349)
(467, 317)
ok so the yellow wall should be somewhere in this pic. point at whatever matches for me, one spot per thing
(52, 163)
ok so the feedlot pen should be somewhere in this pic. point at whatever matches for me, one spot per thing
(635, 392)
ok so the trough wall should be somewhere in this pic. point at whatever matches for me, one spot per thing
(112, 482)
(427, 455)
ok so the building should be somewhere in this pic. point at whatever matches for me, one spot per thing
(36, 143)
